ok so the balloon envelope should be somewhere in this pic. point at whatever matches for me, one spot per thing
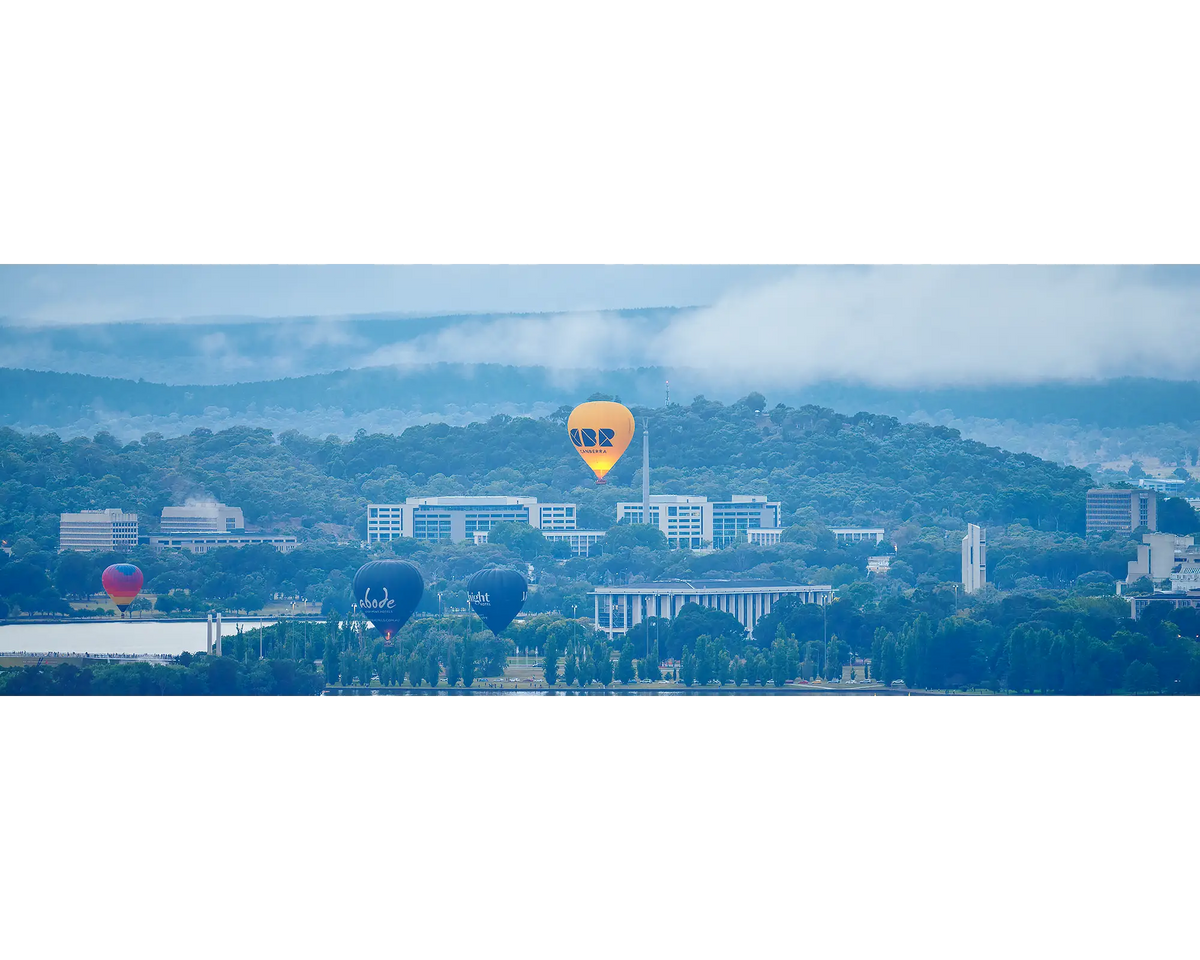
(497, 596)
(388, 592)
(600, 431)
(122, 582)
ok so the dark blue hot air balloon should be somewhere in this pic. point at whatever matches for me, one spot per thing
(388, 592)
(497, 596)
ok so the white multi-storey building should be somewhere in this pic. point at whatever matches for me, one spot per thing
(619, 608)
(857, 534)
(202, 543)
(1161, 484)
(200, 518)
(694, 521)
(581, 542)
(974, 558)
(110, 529)
(460, 518)
(763, 537)
(879, 565)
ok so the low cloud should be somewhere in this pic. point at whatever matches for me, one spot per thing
(885, 326)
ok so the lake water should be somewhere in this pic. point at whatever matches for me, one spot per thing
(124, 636)
(576, 694)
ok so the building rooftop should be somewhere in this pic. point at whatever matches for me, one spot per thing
(472, 501)
(703, 585)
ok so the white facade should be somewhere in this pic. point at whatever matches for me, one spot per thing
(763, 537)
(1186, 580)
(880, 565)
(581, 542)
(460, 518)
(110, 529)
(694, 521)
(200, 518)
(857, 534)
(617, 609)
(974, 558)
(1162, 555)
(1160, 484)
(201, 543)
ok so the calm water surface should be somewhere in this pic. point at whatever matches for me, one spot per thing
(714, 694)
(127, 636)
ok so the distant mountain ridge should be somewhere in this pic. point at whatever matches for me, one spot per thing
(41, 399)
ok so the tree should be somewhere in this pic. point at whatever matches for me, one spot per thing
(468, 662)
(779, 663)
(1175, 515)
(739, 673)
(706, 662)
(687, 669)
(570, 670)
(1142, 678)
(625, 672)
(453, 669)
(75, 575)
(724, 668)
(648, 669)
(527, 542)
(433, 669)
(416, 669)
(550, 663)
(330, 664)
(604, 665)
(626, 537)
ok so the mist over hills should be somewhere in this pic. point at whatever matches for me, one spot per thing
(836, 339)
(1085, 424)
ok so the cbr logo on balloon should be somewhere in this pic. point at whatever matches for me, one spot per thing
(588, 438)
(600, 447)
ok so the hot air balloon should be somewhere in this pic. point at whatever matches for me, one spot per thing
(600, 430)
(388, 592)
(497, 596)
(122, 582)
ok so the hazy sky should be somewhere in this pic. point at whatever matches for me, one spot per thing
(890, 326)
(100, 294)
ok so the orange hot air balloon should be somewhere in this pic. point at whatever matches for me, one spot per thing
(600, 430)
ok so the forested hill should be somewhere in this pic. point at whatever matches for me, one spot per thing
(45, 400)
(820, 464)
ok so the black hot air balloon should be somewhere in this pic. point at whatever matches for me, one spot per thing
(497, 596)
(388, 592)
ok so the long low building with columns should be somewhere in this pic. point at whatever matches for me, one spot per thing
(619, 608)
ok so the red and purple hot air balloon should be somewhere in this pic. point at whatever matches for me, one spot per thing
(122, 582)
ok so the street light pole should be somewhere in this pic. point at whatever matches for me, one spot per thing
(825, 633)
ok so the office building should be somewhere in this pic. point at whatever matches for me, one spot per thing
(1138, 605)
(857, 534)
(1186, 580)
(879, 565)
(110, 529)
(1160, 484)
(1121, 510)
(621, 607)
(460, 518)
(695, 522)
(202, 543)
(200, 518)
(974, 558)
(581, 542)
(1163, 555)
(763, 537)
